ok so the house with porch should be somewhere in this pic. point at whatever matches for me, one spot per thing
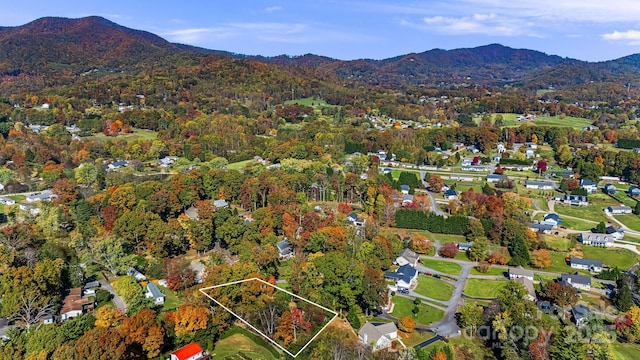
(589, 186)
(593, 266)
(406, 276)
(595, 239)
(539, 185)
(378, 336)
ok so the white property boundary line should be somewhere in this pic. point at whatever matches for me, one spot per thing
(335, 314)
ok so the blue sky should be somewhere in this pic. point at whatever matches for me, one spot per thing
(591, 30)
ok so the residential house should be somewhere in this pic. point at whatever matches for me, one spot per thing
(136, 274)
(610, 189)
(32, 209)
(49, 319)
(464, 246)
(474, 168)
(617, 234)
(617, 210)
(568, 174)
(541, 228)
(220, 204)
(580, 314)
(552, 219)
(284, 249)
(153, 292)
(466, 162)
(404, 189)
(117, 165)
(610, 178)
(7, 201)
(519, 272)
(44, 195)
(494, 178)
(532, 145)
(500, 148)
(379, 336)
(594, 266)
(457, 145)
(191, 351)
(476, 161)
(545, 306)
(356, 220)
(634, 191)
(451, 194)
(578, 282)
(406, 276)
(467, 178)
(167, 160)
(407, 256)
(578, 200)
(386, 171)
(589, 186)
(528, 285)
(407, 200)
(530, 153)
(539, 185)
(518, 167)
(192, 213)
(594, 239)
(74, 304)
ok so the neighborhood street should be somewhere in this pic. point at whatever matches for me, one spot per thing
(117, 300)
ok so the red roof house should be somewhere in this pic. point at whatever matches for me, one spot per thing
(191, 351)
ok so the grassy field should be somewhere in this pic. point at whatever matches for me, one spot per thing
(557, 243)
(484, 288)
(238, 165)
(17, 198)
(464, 186)
(415, 337)
(309, 102)
(632, 221)
(626, 351)
(443, 238)
(143, 135)
(558, 263)
(621, 197)
(442, 266)
(473, 345)
(172, 300)
(425, 316)
(593, 211)
(236, 345)
(621, 258)
(576, 224)
(509, 120)
(434, 288)
(492, 272)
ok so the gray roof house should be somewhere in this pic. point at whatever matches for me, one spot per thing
(153, 292)
(220, 203)
(519, 272)
(610, 189)
(378, 336)
(594, 266)
(580, 314)
(136, 274)
(493, 178)
(594, 239)
(539, 185)
(634, 191)
(464, 246)
(284, 249)
(528, 285)
(621, 209)
(407, 256)
(576, 281)
(542, 228)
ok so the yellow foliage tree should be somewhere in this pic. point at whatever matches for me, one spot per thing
(189, 319)
(108, 316)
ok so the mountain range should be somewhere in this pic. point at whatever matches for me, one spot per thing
(49, 46)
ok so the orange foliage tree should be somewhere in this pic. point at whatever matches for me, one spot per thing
(189, 319)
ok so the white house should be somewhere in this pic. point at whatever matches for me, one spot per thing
(406, 276)
(589, 185)
(539, 185)
(552, 219)
(284, 249)
(191, 351)
(379, 337)
(7, 201)
(519, 272)
(593, 266)
(44, 195)
(594, 239)
(404, 189)
(136, 274)
(579, 282)
(451, 195)
(617, 210)
(407, 256)
(500, 148)
(153, 292)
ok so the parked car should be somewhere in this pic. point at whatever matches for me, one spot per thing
(403, 291)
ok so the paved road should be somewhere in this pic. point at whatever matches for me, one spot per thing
(434, 204)
(117, 300)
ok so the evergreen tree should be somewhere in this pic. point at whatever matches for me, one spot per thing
(601, 228)
(519, 253)
(623, 299)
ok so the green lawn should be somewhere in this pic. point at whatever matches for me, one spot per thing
(557, 243)
(592, 212)
(138, 134)
(18, 198)
(443, 238)
(558, 263)
(442, 266)
(425, 316)
(236, 345)
(626, 351)
(621, 258)
(434, 288)
(309, 102)
(509, 120)
(172, 300)
(415, 338)
(492, 272)
(632, 221)
(484, 288)
(239, 165)
(576, 224)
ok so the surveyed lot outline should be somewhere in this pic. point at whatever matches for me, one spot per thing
(335, 314)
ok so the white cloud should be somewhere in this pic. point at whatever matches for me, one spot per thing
(273, 8)
(484, 24)
(632, 37)
(197, 35)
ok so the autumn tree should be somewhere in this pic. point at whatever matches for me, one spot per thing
(435, 183)
(406, 324)
(541, 258)
(449, 250)
(284, 330)
(108, 316)
(470, 316)
(142, 328)
(189, 319)
(562, 295)
(420, 244)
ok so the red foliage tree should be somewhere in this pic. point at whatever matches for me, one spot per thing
(449, 250)
(109, 217)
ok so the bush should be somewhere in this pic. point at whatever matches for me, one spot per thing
(449, 250)
(483, 267)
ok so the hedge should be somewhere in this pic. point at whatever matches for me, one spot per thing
(423, 220)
